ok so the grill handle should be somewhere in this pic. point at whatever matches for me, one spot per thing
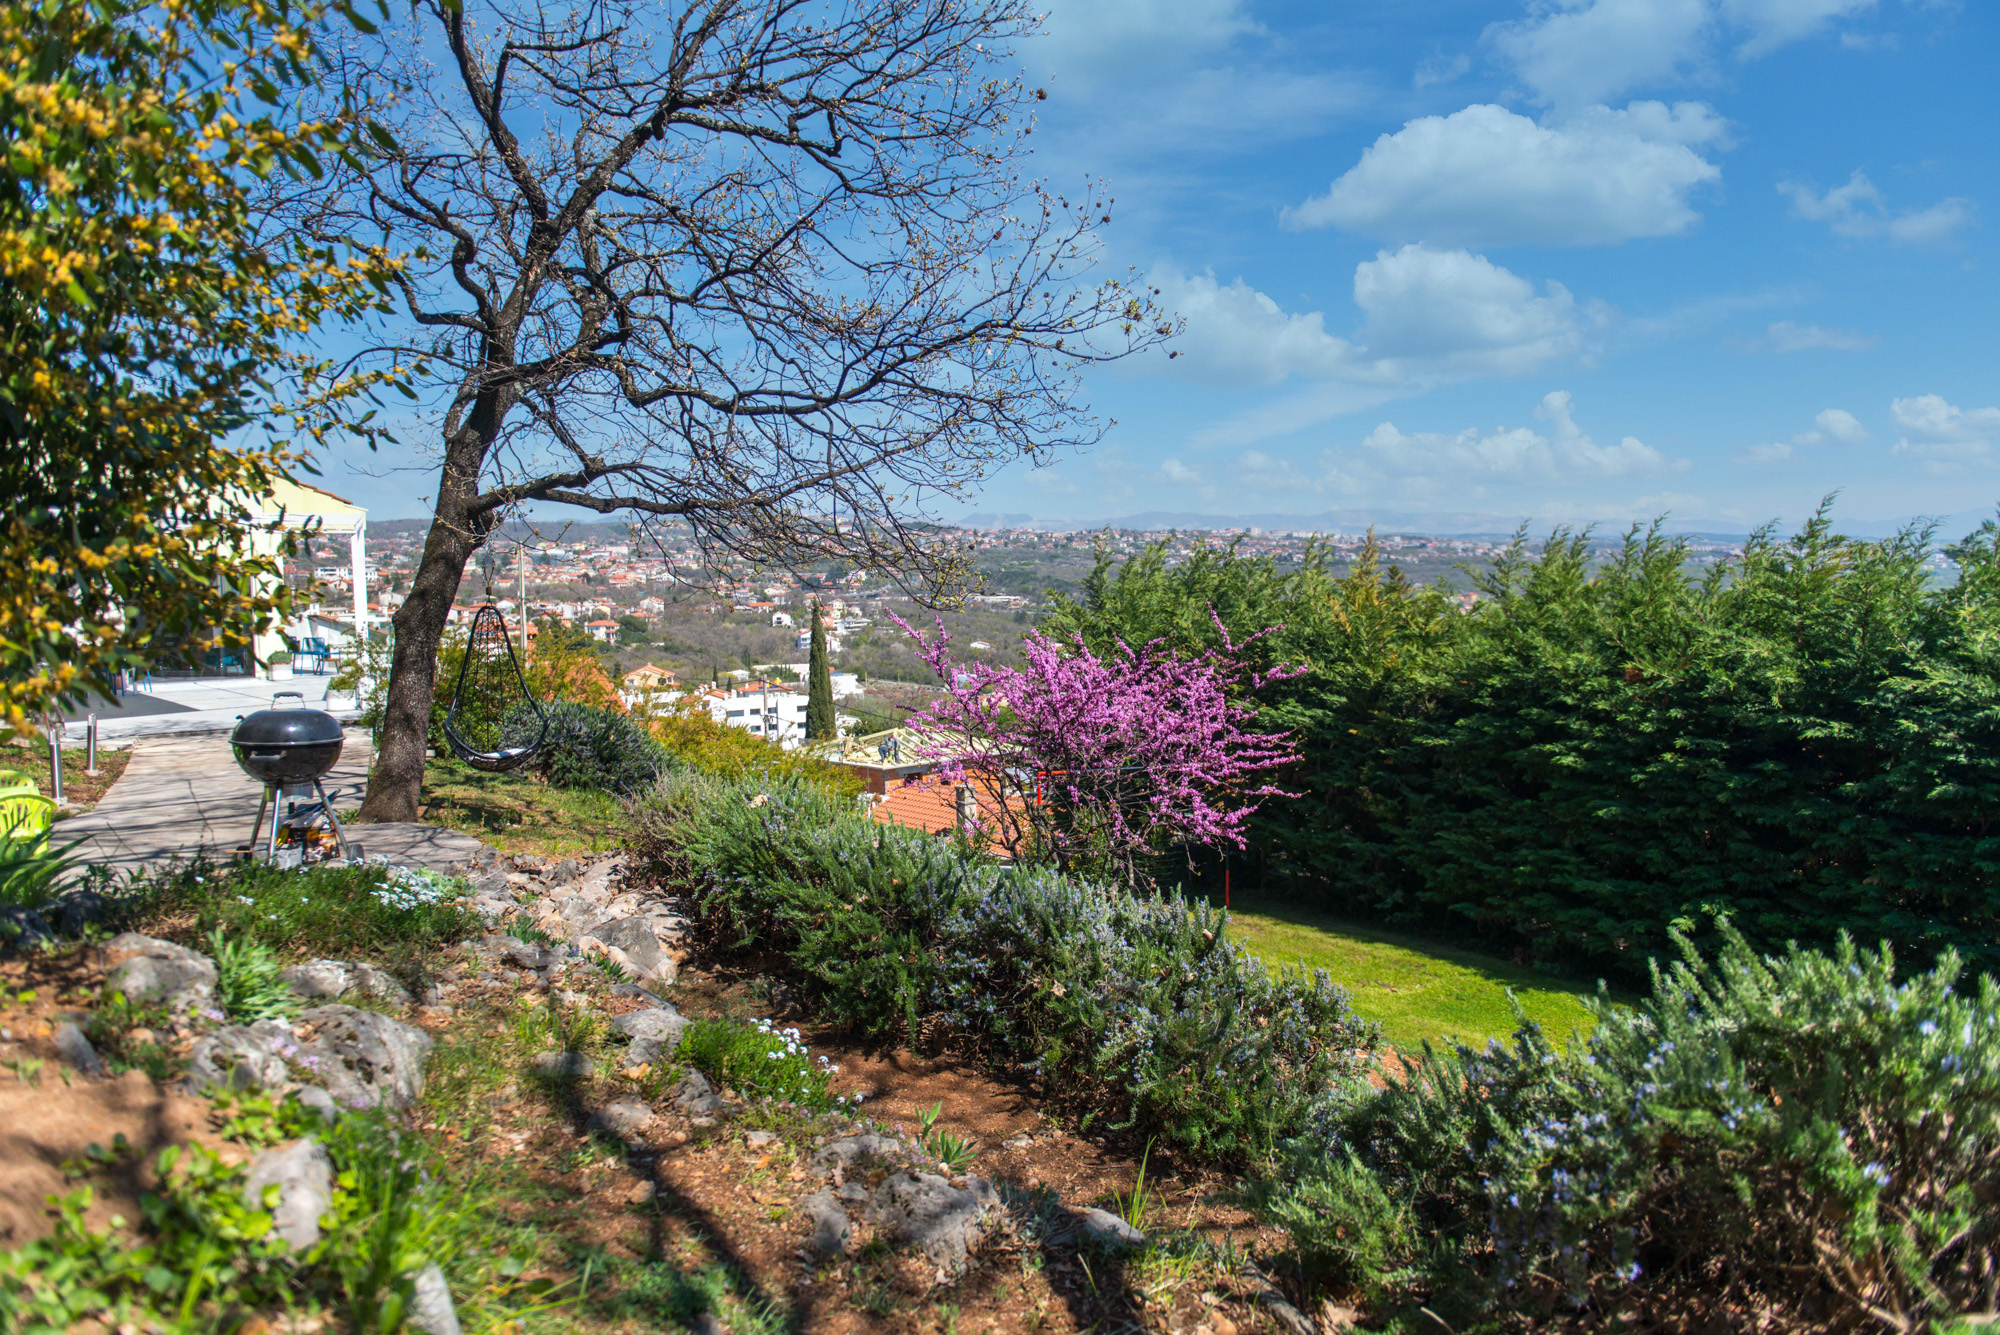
(267, 755)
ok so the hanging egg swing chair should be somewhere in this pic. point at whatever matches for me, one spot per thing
(489, 643)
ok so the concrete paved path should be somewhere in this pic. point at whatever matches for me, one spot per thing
(207, 706)
(182, 796)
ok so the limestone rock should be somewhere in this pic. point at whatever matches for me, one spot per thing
(852, 1149)
(634, 936)
(431, 1310)
(242, 1057)
(695, 1095)
(146, 968)
(74, 1048)
(303, 1174)
(1102, 1226)
(562, 1065)
(24, 928)
(655, 1034)
(330, 980)
(924, 1211)
(832, 1230)
(623, 1118)
(321, 1102)
(76, 909)
(362, 1058)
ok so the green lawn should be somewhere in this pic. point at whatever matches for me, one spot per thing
(517, 813)
(1417, 990)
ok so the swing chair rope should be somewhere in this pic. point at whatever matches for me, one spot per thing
(507, 757)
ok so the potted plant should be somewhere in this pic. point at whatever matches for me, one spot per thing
(278, 667)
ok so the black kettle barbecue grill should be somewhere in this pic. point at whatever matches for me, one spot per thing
(289, 751)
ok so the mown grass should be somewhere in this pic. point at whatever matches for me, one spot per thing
(517, 813)
(1415, 989)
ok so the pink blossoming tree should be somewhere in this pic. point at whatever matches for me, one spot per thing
(1105, 761)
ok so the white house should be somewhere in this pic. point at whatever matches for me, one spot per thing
(778, 716)
(782, 619)
(301, 506)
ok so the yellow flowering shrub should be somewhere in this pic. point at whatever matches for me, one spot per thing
(154, 363)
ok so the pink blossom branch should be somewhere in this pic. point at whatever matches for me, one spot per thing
(1129, 752)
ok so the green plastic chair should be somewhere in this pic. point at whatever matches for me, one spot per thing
(25, 815)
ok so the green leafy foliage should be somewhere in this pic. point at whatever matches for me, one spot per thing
(1801, 1136)
(605, 750)
(30, 870)
(249, 982)
(1806, 738)
(206, 1259)
(204, 1244)
(1134, 1008)
(760, 1060)
(152, 383)
(330, 910)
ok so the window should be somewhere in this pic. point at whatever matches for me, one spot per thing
(736, 713)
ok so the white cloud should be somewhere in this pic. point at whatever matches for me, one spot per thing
(1176, 471)
(1452, 314)
(1785, 336)
(1428, 316)
(1574, 53)
(1095, 41)
(1832, 426)
(1859, 209)
(1773, 23)
(1566, 453)
(1943, 437)
(1438, 69)
(1487, 176)
(1840, 426)
(1238, 336)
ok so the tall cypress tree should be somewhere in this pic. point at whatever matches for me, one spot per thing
(819, 691)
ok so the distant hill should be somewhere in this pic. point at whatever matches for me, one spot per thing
(1451, 523)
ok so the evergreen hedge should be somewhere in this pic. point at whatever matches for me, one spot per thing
(1805, 738)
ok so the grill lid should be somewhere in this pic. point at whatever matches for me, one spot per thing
(277, 729)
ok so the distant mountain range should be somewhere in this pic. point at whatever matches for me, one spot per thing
(1438, 523)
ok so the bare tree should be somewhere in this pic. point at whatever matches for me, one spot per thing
(773, 269)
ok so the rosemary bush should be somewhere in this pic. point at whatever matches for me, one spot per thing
(1136, 1007)
(1798, 1140)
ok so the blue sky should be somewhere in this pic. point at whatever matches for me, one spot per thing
(1572, 259)
(1585, 260)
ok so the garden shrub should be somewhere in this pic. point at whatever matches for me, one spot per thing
(1798, 1141)
(687, 730)
(31, 869)
(1138, 1008)
(759, 1060)
(603, 750)
(1610, 743)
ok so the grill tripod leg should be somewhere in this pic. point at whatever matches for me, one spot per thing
(277, 797)
(262, 803)
(339, 835)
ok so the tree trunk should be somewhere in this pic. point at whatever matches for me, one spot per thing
(396, 784)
